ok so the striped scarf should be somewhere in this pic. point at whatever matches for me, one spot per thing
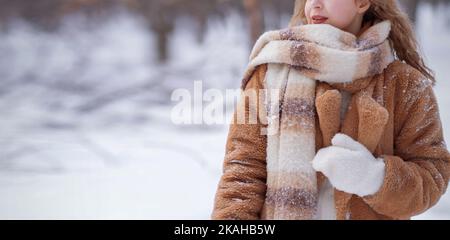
(296, 58)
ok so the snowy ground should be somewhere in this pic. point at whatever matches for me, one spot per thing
(86, 130)
(87, 133)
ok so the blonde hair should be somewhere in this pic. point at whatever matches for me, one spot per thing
(402, 37)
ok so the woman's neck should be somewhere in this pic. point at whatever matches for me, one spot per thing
(356, 27)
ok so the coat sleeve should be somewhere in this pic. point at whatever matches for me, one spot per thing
(241, 190)
(417, 175)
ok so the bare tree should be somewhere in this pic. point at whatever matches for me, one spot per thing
(255, 17)
(410, 7)
(44, 14)
(91, 8)
(160, 20)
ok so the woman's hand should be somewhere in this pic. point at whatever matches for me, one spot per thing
(350, 166)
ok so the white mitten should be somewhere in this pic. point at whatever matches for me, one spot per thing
(350, 166)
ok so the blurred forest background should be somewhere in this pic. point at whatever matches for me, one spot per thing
(160, 16)
(85, 88)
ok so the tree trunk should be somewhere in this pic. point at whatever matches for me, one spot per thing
(255, 17)
(410, 7)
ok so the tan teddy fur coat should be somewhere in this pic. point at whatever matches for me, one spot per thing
(411, 142)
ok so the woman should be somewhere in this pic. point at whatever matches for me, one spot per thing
(348, 125)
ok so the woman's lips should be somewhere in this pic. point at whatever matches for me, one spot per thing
(316, 19)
